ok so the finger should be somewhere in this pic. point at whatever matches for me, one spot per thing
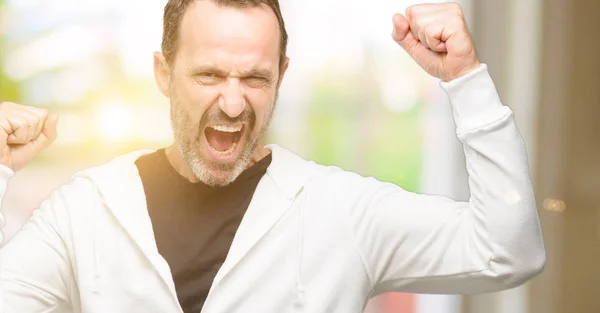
(19, 132)
(47, 136)
(422, 37)
(28, 122)
(416, 20)
(19, 137)
(402, 34)
(433, 36)
(32, 122)
(36, 117)
(40, 113)
(425, 24)
(13, 140)
(407, 40)
(24, 122)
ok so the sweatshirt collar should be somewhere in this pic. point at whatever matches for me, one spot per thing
(289, 171)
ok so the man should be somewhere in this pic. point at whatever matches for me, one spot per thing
(218, 223)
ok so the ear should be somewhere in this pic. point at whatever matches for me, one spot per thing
(283, 70)
(162, 73)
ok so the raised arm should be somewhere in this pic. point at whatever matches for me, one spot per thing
(431, 244)
(35, 273)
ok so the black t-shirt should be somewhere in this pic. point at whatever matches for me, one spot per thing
(193, 223)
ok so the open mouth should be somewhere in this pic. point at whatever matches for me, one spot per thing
(223, 139)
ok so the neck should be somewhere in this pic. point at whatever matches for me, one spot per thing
(178, 162)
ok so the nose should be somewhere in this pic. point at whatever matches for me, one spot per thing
(232, 100)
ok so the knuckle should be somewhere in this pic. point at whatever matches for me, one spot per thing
(410, 11)
(43, 113)
(414, 11)
(20, 122)
(427, 29)
(34, 121)
(457, 9)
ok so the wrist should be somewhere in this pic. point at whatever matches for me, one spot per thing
(463, 72)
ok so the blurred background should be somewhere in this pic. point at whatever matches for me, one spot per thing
(351, 98)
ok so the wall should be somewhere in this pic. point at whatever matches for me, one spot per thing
(569, 160)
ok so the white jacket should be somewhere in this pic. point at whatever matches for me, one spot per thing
(314, 238)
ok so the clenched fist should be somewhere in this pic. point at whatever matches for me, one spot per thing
(437, 38)
(24, 132)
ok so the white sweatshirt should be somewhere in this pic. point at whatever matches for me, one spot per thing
(314, 238)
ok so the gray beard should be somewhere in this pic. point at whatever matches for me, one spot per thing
(204, 171)
(188, 138)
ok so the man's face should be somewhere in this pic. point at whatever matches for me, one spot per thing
(223, 87)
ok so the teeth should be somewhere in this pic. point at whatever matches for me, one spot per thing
(226, 152)
(227, 129)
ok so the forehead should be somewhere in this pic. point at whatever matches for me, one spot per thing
(229, 36)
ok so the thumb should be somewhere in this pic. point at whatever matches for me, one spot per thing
(48, 134)
(401, 33)
(49, 131)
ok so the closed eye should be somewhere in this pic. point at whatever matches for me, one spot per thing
(209, 78)
(256, 82)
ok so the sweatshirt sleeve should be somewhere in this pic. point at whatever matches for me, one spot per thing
(5, 174)
(35, 271)
(432, 244)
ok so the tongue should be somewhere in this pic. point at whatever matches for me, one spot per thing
(220, 141)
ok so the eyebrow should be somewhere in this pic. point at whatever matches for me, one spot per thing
(254, 72)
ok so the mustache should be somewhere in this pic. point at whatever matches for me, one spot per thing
(215, 115)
